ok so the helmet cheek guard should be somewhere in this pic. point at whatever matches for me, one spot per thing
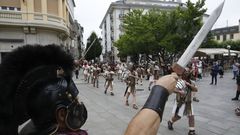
(76, 112)
(76, 116)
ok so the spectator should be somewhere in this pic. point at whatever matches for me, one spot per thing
(238, 86)
(235, 70)
(214, 73)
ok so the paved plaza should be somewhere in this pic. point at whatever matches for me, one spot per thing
(214, 114)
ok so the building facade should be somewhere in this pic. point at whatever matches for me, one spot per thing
(78, 45)
(36, 22)
(111, 24)
(227, 33)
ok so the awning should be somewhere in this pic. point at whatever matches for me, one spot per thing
(215, 51)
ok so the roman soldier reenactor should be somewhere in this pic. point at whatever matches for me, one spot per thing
(36, 85)
(131, 86)
(183, 103)
(109, 81)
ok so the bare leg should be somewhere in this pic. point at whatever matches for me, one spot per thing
(111, 87)
(175, 118)
(107, 85)
(127, 96)
(134, 101)
(150, 84)
(191, 123)
(172, 120)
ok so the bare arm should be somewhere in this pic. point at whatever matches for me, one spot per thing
(147, 121)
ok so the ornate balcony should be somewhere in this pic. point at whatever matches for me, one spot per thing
(18, 18)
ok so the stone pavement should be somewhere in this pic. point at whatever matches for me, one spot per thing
(214, 114)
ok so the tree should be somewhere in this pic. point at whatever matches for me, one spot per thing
(235, 45)
(94, 48)
(165, 34)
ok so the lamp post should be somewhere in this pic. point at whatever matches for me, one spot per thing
(112, 54)
(228, 47)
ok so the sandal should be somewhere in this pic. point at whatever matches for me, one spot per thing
(135, 106)
(192, 132)
(127, 104)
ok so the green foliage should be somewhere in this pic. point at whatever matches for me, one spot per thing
(158, 32)
(96, 48)
(235, 45)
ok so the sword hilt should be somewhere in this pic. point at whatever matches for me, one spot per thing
(179, 70)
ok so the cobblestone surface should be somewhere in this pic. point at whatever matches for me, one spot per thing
(214, 114)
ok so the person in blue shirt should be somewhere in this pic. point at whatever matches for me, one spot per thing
(214, 72)
(235, 70)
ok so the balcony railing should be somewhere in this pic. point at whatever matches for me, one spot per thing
(10, 15)
(53, 18)
(20, 18)
(38, 16)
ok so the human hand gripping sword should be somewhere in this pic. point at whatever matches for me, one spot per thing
(179, 67)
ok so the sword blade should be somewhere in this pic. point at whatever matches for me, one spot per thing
(198, 39)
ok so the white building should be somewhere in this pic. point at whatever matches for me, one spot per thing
(36, 22)
(77, 47)
(227, 33)
(112, 21)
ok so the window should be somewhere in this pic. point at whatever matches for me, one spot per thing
(11, 8)
(121, 27)
(4, 8)
(231, 36)
(224, 37)
(218, 37)
(225, 31)
(121, 16)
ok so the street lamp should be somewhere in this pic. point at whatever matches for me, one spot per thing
(228, 47)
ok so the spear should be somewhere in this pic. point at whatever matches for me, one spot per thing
(89, 47)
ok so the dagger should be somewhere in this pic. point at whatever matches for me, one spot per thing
(179, 67)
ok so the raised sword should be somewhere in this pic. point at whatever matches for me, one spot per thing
(179, 67)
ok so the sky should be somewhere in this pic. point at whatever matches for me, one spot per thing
(89, 13)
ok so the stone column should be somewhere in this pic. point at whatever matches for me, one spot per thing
(44, 9)
(30, 9)
(24, 9)
(60, 9)
(64, 11)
